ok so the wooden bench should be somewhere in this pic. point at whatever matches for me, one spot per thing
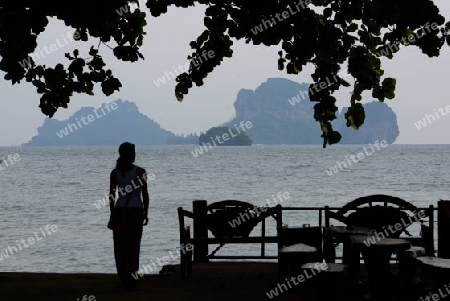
(299, 246)
(218, 218)
(407, 263)
(440, 268)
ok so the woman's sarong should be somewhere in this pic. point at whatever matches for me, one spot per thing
(127, 245)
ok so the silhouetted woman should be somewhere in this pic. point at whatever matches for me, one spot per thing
(130, 183)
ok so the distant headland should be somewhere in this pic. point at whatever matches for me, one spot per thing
(110, 124)
(279, 112)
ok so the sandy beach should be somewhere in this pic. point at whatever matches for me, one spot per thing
(216, 281)
(210, 281)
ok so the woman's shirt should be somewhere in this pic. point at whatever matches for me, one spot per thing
(129, 180)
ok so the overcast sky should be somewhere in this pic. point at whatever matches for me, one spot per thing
(422, 83)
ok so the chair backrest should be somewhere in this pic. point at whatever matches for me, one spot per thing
(381, 219)
(370, 200)
(232, 218)
(376, 211)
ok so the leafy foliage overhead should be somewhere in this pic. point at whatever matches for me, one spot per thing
(22, 21)
(328, 34)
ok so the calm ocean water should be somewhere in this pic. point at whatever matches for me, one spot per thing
(59, 186)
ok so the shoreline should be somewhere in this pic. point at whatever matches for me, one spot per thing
(218, 281)
(214, 281)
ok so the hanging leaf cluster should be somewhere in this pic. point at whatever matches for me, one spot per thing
(327, 34)
(100, 22)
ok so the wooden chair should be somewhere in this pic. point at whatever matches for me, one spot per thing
(364, 211)
(231, 218)
(379, 212)
(230, 222)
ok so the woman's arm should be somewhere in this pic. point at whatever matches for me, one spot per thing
(112, 189)
(145, 195)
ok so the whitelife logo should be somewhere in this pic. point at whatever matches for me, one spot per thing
(161, 261)
(377, 236)
(244, 216)
(70, 37)
(225, 137)
(282, 287)
(196, 61)
(4, 163)
(322, 85)
(412, 38)
(266, 24)
(86, 120)
(360, 156)
(123, 191)
(31, 241)
(430, 118)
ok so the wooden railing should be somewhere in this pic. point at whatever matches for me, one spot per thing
(432, 220)
(200, 238)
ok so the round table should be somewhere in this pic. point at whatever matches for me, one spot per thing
(342, 234)
(377, 253)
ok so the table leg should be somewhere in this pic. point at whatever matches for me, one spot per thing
(377, 263)
(350, 256)
(381, 280)
(441, 283)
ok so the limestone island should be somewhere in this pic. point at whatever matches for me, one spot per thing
(219, 136)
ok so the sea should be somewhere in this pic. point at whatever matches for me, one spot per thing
(51, 219)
